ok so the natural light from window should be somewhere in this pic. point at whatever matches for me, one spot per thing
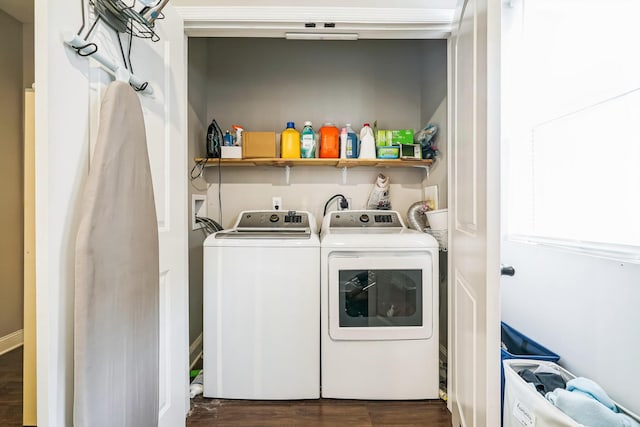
(572, 131)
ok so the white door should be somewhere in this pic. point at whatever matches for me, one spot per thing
(474, 361)
(65, 117)
(163, 64)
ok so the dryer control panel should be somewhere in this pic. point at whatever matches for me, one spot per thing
(368, 219)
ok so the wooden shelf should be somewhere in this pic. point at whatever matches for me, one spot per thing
(338, 163)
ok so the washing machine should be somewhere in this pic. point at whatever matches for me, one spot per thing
(379, 311)
(261, 302)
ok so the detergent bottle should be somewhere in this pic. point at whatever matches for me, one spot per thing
(308, 142)
(329, 141)
(367, 143)
(352, 143)
(238, 129)
(228, 139)
(343, 143)
(290, 142)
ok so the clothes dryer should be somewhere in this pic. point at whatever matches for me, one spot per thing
(379, 311)
(261, 319)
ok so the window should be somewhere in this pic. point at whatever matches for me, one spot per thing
(572, 122)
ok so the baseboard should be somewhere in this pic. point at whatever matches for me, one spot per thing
(195, 351)
(11, 341)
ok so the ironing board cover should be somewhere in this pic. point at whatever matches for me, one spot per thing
(116, 283)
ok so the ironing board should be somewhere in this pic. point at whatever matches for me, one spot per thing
(116, 283)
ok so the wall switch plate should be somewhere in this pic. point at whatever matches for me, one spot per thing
(276, 203)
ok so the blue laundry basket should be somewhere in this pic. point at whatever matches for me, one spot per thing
(519, 346)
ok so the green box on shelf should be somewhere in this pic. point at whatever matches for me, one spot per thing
(402, 136)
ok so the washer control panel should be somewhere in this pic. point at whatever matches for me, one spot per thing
(369, 219)
(273, 219)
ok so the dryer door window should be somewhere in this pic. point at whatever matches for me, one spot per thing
(375, 296)
(384, 298)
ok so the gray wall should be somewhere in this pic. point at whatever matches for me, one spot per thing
(11, 171)
(263, 83)
(28, 71)
(434, 110)
(197, 123)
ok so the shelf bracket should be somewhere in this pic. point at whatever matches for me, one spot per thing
(344, 175)
(287, 174)
(426, 170)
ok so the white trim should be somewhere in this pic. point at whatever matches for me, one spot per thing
(195, 351)
(11, 341)
(275, 21)
(615, 252)
(387, 32)
(315, 14)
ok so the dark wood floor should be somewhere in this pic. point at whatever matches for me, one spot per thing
(11, 388)
(317, 413)
(245, 413)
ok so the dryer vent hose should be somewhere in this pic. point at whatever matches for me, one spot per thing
(416, 215)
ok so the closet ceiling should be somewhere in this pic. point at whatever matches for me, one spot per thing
(22, 10)
(424, 19)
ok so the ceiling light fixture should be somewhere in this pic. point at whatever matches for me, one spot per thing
(321, 36)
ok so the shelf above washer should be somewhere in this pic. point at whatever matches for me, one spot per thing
(339, 163)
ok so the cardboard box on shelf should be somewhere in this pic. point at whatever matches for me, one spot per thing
(402, 136)
(386, 138)
(258, 145)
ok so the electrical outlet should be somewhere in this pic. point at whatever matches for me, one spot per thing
(341, 208)
(276, 203)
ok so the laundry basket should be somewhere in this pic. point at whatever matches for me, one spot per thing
(524, 406)
(516, 345)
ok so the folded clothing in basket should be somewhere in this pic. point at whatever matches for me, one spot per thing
(543, 382)
(588, 404)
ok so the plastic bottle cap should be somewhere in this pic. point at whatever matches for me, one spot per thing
(307, 123)
(291, 125)
(348, 125)
(367, 124)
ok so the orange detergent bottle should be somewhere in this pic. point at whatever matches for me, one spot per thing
(290, 142)
(329, 141)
